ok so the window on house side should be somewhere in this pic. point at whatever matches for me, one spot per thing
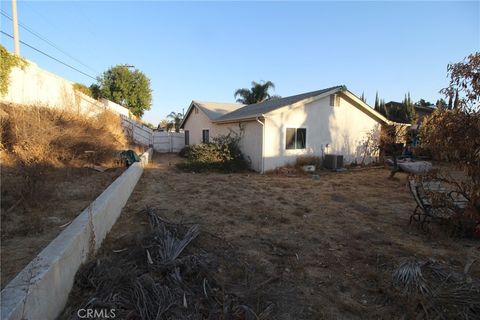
(206, 136)
(187, 137)
(296, 138)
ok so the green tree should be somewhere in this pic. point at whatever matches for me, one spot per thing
(456, 101)
(130, 88)
(402, 112)
(164, 123)
(95, 90)
(423, 103)
(380, 106)
(409, 109)
(148, 124)
(175, 120)
(362, 97)
(257, 93)
(441, 103)
(83, 89)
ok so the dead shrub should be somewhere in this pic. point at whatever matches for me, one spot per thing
(43, 136)
(38, 139)
(453, 135)
(307, 160)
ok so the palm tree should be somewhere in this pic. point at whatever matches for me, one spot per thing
(257, 93)
(164, 123)
(176, 120)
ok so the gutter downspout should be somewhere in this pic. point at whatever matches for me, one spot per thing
(263, 142)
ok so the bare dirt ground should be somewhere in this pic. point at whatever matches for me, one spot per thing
(317, 249)
(28, 225)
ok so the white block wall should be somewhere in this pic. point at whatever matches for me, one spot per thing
(164, 142)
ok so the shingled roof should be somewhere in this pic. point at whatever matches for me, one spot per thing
(258, 109)
(215, 110)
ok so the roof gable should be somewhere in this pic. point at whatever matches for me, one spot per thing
(230, 112)
(261, 108)
(213, 110)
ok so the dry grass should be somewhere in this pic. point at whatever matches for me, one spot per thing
(36, 139)
(333, 244)
(43, 180)
(52, 137)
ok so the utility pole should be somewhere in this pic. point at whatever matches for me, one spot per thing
(16, 40)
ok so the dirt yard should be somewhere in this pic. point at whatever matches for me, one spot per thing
(316, 249)
(28, 225)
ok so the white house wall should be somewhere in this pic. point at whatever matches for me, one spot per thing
(251, 133)
(195, 124)
(342, 128)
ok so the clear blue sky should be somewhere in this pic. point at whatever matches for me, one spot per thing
(206, 50)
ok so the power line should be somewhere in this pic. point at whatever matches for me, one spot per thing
(43, 38)
(49, 56)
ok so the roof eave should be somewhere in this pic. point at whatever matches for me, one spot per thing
(305, 100)
(240, 119)
(185, 116)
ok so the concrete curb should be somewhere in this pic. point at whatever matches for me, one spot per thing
(40, 290)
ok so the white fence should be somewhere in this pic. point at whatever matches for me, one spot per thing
(138, 132)
(168, 141)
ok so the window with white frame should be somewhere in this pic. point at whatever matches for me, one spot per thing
(296, 138)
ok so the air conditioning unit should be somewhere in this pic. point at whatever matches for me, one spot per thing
(333, 161)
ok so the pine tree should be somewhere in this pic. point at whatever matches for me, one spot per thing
(377, 102)
(409, 110)
(456, 102)
(406, 113)
(449, 102)
(362, 97)
(382, 108)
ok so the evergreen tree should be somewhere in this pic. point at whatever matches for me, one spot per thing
(456, 102)
(376, 102)
(441, 104)
(409, 110)
(383, 108)
(362, 97)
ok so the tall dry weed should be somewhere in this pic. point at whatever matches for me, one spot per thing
(36, 139)
(54, 137)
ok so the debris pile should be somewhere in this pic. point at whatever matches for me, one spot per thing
(160, 278)
(439, 292)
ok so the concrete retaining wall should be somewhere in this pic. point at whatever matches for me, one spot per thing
(40, 291)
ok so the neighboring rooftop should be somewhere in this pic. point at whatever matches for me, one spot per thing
(416, 106)
(257, 109)
(215, 110)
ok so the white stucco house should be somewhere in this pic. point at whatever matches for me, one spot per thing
(275, 132)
